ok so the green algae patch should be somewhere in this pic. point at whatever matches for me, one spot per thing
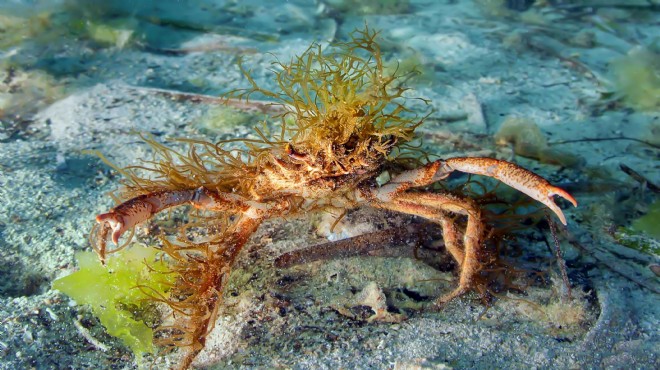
(650, 222)
(116, 292)
(636, 78)
(644, 233)
(630, 238)
(118, 33)
(528, 141)
(222, 118)
(370, 7)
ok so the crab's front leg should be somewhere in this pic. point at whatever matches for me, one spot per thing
(511, 174)
(125, 216)
(416, 206)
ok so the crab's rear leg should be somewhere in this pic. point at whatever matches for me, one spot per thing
(125, 216)
(450, 234)
(394, 196)
(433, 206)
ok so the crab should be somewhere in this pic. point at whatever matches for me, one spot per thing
(343, 125)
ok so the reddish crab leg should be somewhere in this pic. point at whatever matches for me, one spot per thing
(513, 175)
(141, 208)
(130, 213)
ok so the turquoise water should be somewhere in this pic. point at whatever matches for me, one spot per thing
(568, 89)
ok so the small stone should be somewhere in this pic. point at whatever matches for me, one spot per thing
(655, 268)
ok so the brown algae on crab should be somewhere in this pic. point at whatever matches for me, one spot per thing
(337, 99)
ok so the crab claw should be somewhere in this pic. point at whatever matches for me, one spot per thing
(112, 222)
(115, 222)
(544, 194)
(130, 213)
(513, 175)
(124, 217)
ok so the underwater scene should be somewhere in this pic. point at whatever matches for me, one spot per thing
(326, 184)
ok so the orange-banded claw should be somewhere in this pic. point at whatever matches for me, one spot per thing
(130, 213)
(119, 223)
(545, 194)
(513, 175)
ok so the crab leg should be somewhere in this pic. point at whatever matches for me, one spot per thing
(511, 174)
(433, 207)
(130, 213)
(413, 203)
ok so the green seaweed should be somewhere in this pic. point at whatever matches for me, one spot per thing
(650, 222)
(118, 33)
(116, 292)
(412, 66)
(644, 233)
(222, 117)
(528, 141)
(636, 78)
(636, 240)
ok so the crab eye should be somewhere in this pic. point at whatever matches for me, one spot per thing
(293, 154)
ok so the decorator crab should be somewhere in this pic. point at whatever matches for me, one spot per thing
(344, 123)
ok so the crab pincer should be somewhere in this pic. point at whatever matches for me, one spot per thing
(130, 213)
(515, 176)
